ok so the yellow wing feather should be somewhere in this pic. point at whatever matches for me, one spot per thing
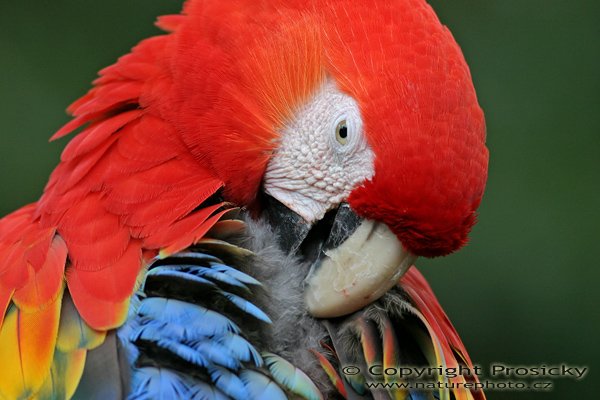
(27, 342)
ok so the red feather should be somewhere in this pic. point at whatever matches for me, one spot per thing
(97, 134)
(421, 295)
(80, 167)
(179, 229)
(114, 283)
(425, 301)
(192, 235)
(109, 96)
(101, 314)
(170, 207)
(169, 23)
(71, 126)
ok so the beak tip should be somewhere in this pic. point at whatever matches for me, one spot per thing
(358, 272)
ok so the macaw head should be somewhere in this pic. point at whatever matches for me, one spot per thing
(358, 118)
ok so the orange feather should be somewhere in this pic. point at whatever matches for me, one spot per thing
(45, 285)
(27, 341)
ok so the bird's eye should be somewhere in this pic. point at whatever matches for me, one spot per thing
(341, 132)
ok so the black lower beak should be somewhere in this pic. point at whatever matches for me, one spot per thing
(310, 240)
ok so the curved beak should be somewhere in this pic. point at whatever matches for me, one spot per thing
(356, 273)
(353, 261)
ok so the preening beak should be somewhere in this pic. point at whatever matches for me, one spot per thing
(358, 272)
(354, 261)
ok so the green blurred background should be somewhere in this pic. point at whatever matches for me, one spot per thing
(525, 291)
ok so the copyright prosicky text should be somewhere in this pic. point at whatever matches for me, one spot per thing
(496, 370)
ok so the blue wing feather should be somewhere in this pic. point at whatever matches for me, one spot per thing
(158, 383)
(240, 276)
(261, 387)
(216, 353)
(247, 307)
(196, 256)
(229, 383)
(205, 391)
(150, 334)
(175, 272)
(200, 332)
(197, 274)
(191, 315)
(240, 348)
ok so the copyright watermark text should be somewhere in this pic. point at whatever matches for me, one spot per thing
(498, 376)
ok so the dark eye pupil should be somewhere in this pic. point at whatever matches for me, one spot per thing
(343, 132)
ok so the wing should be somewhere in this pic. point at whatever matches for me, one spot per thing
(48, 326)
(126, 190)
(194, 329)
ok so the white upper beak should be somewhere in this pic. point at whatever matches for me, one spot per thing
(358, 272)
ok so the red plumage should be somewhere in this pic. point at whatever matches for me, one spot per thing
(125, 187)
(423, 123)
(198, 110)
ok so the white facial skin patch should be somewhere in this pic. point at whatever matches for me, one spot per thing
(322, 155)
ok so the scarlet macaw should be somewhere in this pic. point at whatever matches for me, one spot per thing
(350, 135)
